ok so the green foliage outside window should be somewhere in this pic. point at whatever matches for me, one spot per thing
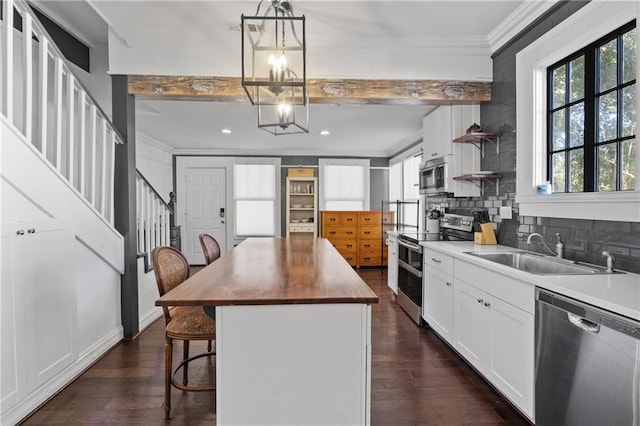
(592, 116)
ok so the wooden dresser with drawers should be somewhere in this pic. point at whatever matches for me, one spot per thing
(358, 235)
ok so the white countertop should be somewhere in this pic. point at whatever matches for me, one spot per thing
(619, 293)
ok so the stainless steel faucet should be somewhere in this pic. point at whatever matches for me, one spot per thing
(610, 260)
(559, 245)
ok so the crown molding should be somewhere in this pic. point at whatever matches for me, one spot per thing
(517, 21)
(277, 153)
(141, 137)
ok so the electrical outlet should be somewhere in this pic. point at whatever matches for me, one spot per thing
(506, 212)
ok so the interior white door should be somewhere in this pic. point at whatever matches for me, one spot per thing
(205, 212)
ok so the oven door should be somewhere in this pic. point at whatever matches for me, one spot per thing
(410, 255)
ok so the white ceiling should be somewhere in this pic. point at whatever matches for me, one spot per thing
(346, 39)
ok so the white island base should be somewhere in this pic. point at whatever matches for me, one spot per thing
(293, 364)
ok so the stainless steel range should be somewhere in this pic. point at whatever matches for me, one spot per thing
(453, 227)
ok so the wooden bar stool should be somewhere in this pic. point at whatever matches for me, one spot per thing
(210, 248)
(185, 323)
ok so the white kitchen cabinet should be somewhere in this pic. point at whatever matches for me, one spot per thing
(498, 339)
(392, 256)
(38, 306)
(436, 133)
(302, 206)
(437, 295)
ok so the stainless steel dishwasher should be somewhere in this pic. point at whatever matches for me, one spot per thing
(587, 364)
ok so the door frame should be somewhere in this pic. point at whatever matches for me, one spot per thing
(185, 162)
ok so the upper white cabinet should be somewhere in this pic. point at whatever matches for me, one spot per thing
(38, 306)
(440, 128)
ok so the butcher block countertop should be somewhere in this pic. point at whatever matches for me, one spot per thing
(274, 271)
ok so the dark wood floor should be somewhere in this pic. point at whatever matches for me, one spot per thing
(416, 380)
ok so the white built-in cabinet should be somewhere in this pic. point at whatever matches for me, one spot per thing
(438, 293)
(440, 128)
(302, 206)
(392, 262)
(38, 306)
(494, 330)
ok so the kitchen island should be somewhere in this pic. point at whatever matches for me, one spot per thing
(293, 326)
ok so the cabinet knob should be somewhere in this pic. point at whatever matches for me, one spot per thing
(480, 300)
(20, 232)
(487, 304)
(31, 231)
(448, 284)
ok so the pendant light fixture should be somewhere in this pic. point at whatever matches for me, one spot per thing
(274, 68)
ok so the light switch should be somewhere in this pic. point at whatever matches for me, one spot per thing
(506, 212)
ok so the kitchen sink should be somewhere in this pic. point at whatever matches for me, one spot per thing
(535, 263)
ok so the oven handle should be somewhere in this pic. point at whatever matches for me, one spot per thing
(410, 268)
(415, 247)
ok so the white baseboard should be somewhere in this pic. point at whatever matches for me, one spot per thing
(49, 389)
(149, 317)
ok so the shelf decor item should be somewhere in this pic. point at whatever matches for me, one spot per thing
(274, 67)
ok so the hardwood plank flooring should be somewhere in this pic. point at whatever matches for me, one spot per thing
(416, 380)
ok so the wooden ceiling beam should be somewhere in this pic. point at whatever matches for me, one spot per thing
(332, 91)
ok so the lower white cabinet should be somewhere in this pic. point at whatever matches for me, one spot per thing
(498, 339)
(392, 263)
(437, 301)
(38, 306)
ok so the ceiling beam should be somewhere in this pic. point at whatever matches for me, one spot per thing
(331, 91)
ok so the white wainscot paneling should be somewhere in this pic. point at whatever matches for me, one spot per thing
(98, 302)
(147, 295)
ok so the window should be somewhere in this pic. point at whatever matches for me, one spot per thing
(591, 116)
(404, 175)
(344, 184)
(256, 199)
(564, 42)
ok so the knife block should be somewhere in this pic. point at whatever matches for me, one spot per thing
(486, 236)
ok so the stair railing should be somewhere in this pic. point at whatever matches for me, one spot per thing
(153, 218)
(57, 116)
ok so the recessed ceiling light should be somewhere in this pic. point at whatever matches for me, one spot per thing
(226, 131)
(325, 132)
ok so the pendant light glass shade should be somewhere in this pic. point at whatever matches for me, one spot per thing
(274, 68)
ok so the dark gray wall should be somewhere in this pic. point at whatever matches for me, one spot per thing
(585, 239)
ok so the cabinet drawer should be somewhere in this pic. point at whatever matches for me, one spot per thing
(387, 217)
(370, 259)
(351, 258)
(300, 228)
(340, 232)
(370, 232)
(438, 261)
(330, 218)
(369, 218)
(344, 246)
(368, 245)
(349, 218)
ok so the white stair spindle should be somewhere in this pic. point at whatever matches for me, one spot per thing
(44, 94)
(7, 38)
(111, 175)
(93, 143)
(103, 168)
(71, 94)
(82, 140)
(57, 96)
(27, 43)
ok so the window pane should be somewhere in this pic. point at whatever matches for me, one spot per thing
(395, 181)
(576, 125)
(607, 117)
(345, 205)
(629, 110)
(255, 218)
(608, 61)
(558, 130)
(559, 168)
(559, 86)
(255, 181)
(629, 52)
(576, 68)
(576, 170)
(628, 154)
(343, 182)
(607, 167)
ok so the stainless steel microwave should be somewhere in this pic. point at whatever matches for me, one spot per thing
(435, 177)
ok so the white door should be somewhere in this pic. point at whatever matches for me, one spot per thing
(205, 210)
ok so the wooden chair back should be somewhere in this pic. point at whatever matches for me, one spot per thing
(171, 269)
(210, 248)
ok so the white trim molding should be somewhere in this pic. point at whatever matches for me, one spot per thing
(585, 26)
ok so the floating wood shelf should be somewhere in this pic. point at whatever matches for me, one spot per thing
(480, 178)
(477, 139)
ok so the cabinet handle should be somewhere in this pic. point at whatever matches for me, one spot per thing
(436, 260)
(487, 304)
(20, 232)
(31, 231)
(480, 300)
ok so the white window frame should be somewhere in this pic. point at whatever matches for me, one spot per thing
(364, 163)
(400, 158)
(587, 25)
(277, 197)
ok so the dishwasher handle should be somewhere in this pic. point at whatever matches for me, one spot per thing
(583, 323)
